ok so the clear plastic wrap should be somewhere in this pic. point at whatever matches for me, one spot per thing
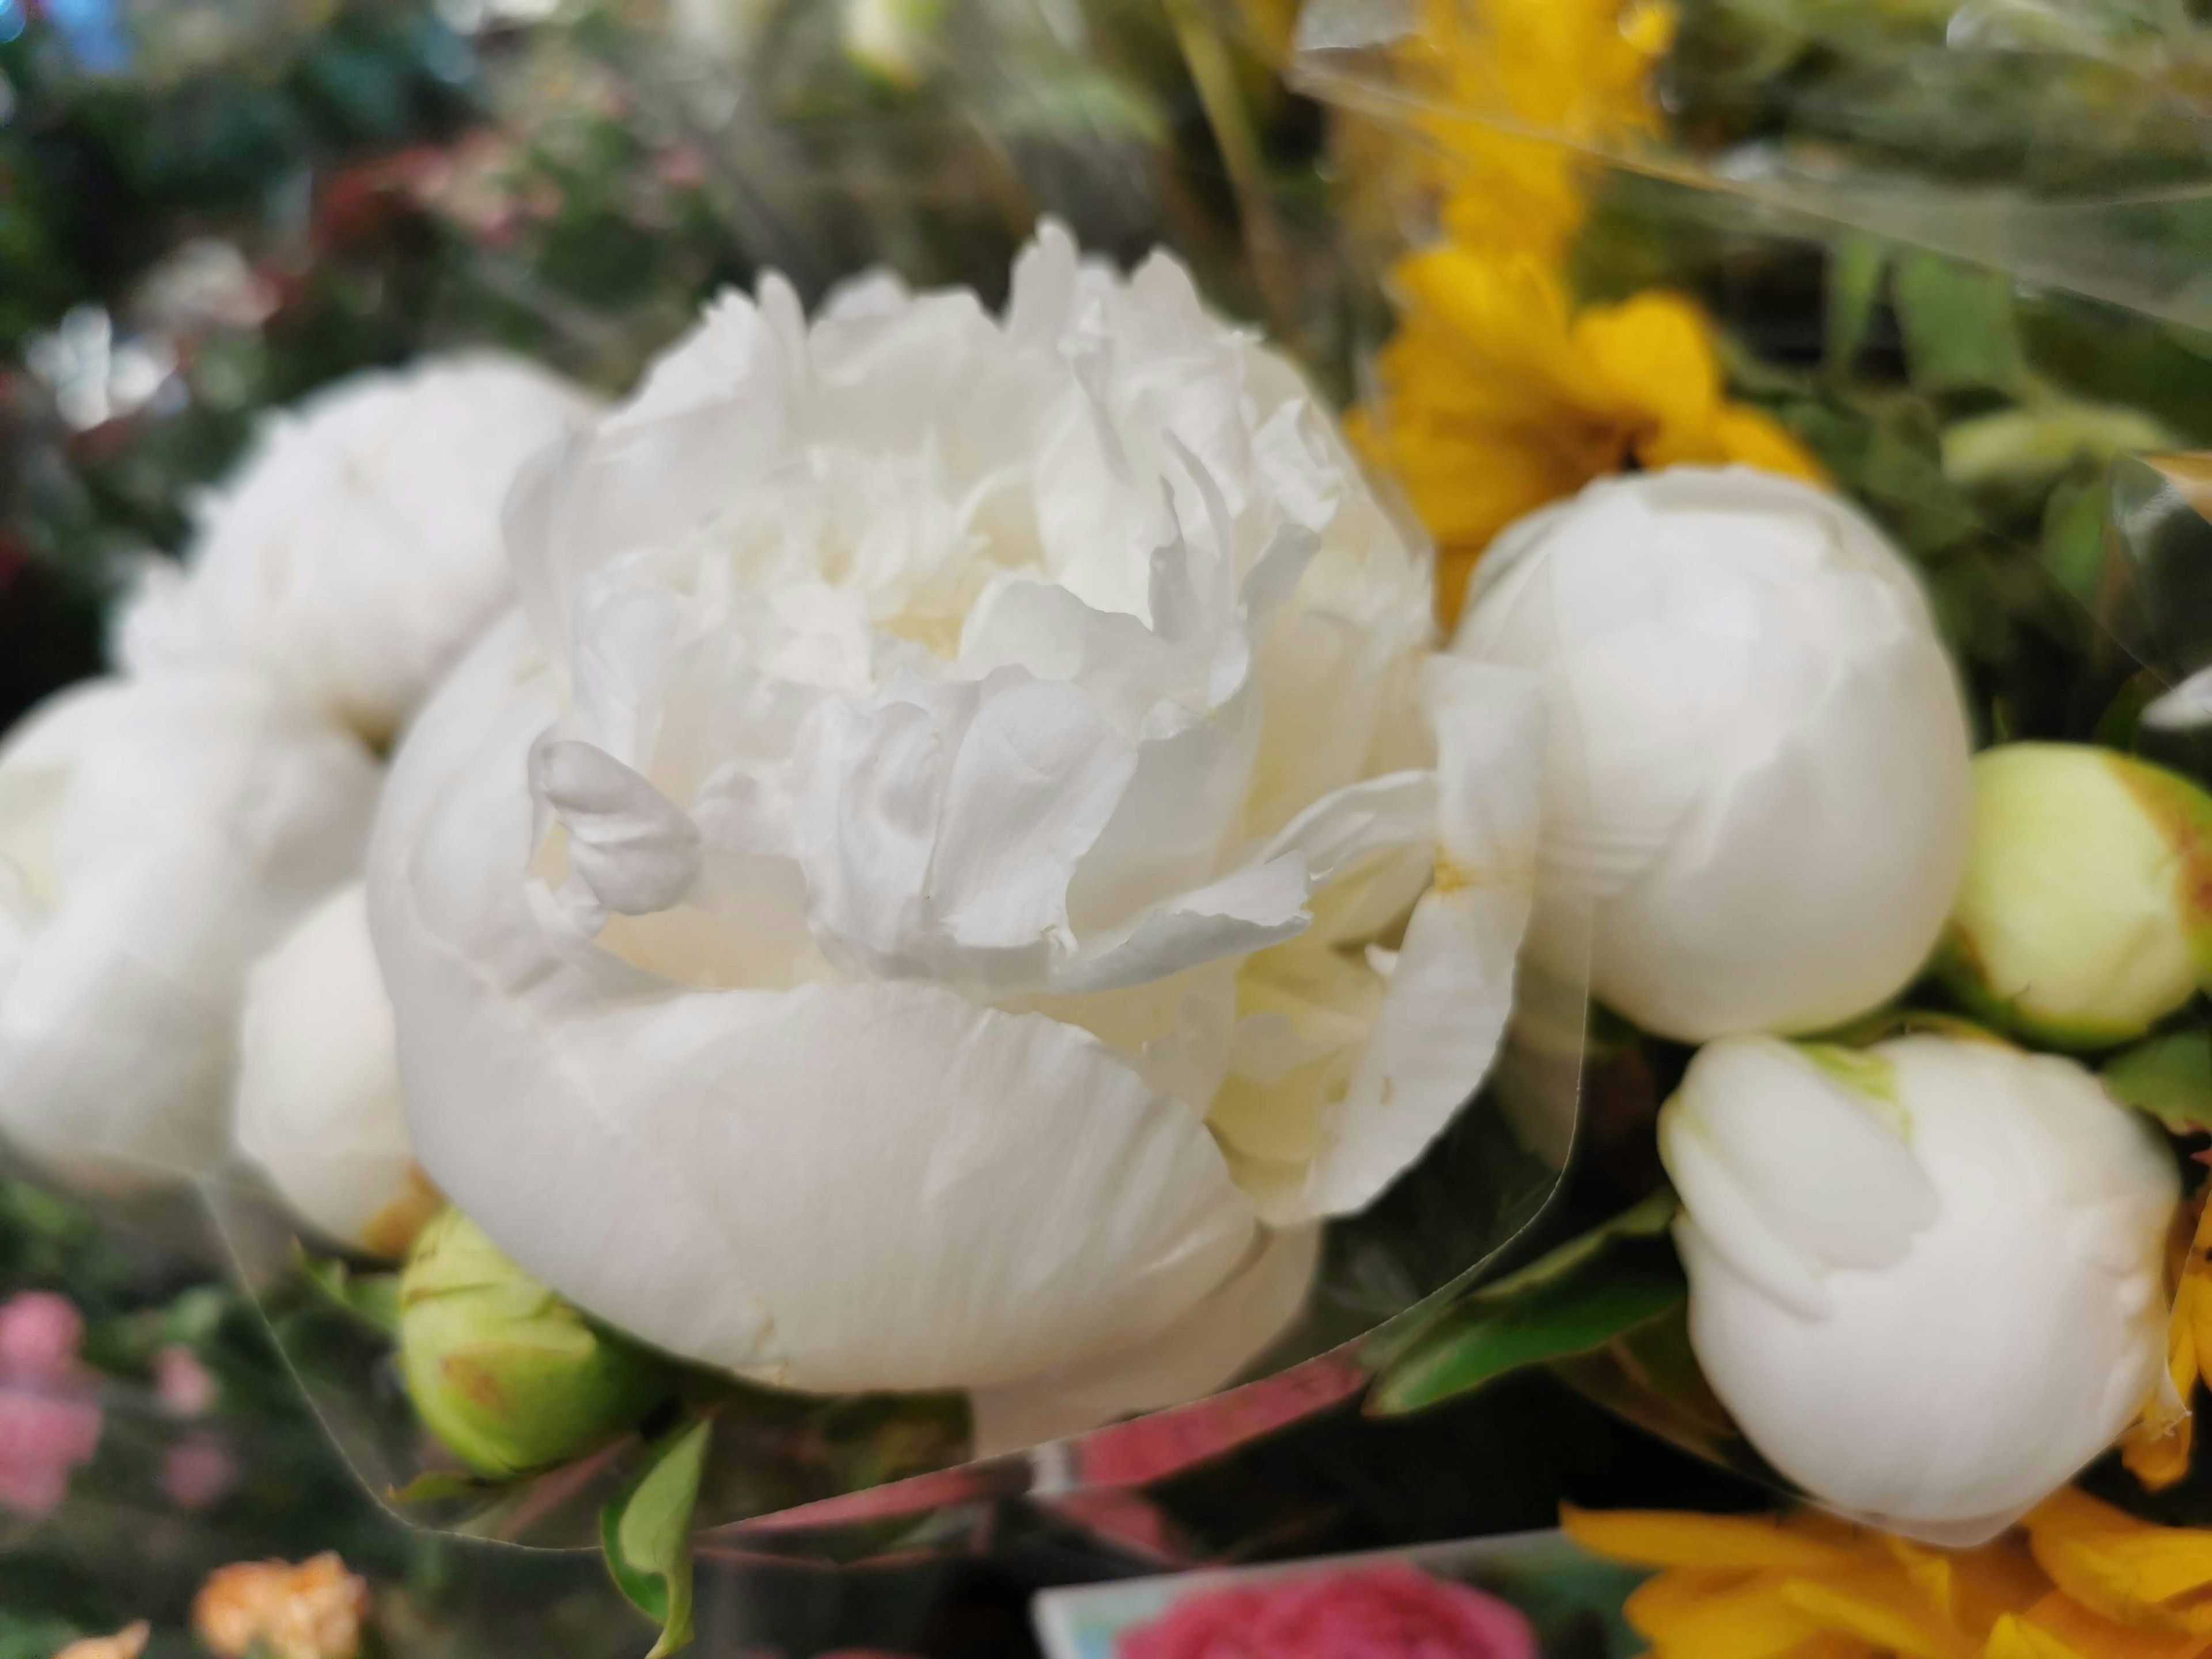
(1948, 257)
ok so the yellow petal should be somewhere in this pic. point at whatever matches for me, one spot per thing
(2127, 1570)
(2058, 1628)
(1706, 1614)
(1655, 352)
(1668, 1538)
(1509, 318)
(1881, 1606)
(1754, 438)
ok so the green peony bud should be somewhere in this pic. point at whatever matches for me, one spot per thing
(507, 1375)
(2086, 912)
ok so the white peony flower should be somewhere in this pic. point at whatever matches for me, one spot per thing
(154, 837)
(1770, 811)
(964, 859)
(1926, 1278)
(317, 1102)
(356, 552)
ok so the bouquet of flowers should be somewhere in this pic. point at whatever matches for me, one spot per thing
(758, 961)
(1885, 1269)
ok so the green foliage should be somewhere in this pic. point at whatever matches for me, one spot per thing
(2169, 1077)
(1578, 1297)
(645, 1533)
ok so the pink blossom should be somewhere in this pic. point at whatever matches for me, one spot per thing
(187, 1387)
(1386, 1612)
(49, 1423)
(197, 1472)
(43, 1439)
(39, 1336)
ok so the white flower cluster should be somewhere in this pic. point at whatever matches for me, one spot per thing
(1924, 1277)
(162, 828)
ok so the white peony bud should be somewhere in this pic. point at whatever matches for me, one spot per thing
(895, 910)
(356, 551)
(318, 1098)
(2086, 914)
(1758, 799)
(155, 836)
(1926, 1278)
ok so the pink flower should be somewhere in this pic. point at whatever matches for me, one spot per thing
(197, 1472)
(1387, 1612)
(187, 1387)
(49, 1423)
(43, 1439)
(39, 1336)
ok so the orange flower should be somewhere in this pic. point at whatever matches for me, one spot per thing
(126, 1644)
(312, 1611)
(1499, 396)
(2081, 1581)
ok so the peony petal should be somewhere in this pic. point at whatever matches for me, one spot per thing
(317, 1099)
(1796, 1164)
(1196, 1356)
(629, 844)
(1451, 991)
(683, 1143)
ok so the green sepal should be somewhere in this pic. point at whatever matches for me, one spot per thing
(1578, 1297)
(645, 1533)
(2168, 1077)
(373, 1298)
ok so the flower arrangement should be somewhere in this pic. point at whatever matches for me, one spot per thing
(931, 877)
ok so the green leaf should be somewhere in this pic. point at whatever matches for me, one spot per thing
(1855, 264)
(1959, 331)
(2073, 539)
(2168, 1077)
(645, 1533)
(373, 1298)
(1578, 1297)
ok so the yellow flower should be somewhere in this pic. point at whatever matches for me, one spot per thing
(312, 1611)
(1498, 395)
(2142, 1577)
(2157, 1449)
(1493, 72)
(2084, 1582)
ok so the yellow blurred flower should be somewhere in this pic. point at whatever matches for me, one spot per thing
(1493, 72)
(2080, 1580)
(2157, 1449)
(1498, 395)
(312, 1611)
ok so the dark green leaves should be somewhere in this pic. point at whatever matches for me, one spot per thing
(1579, 1298)
(647, 1533)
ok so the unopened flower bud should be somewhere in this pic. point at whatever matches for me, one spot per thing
(506, 1374)
(2086, 912)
